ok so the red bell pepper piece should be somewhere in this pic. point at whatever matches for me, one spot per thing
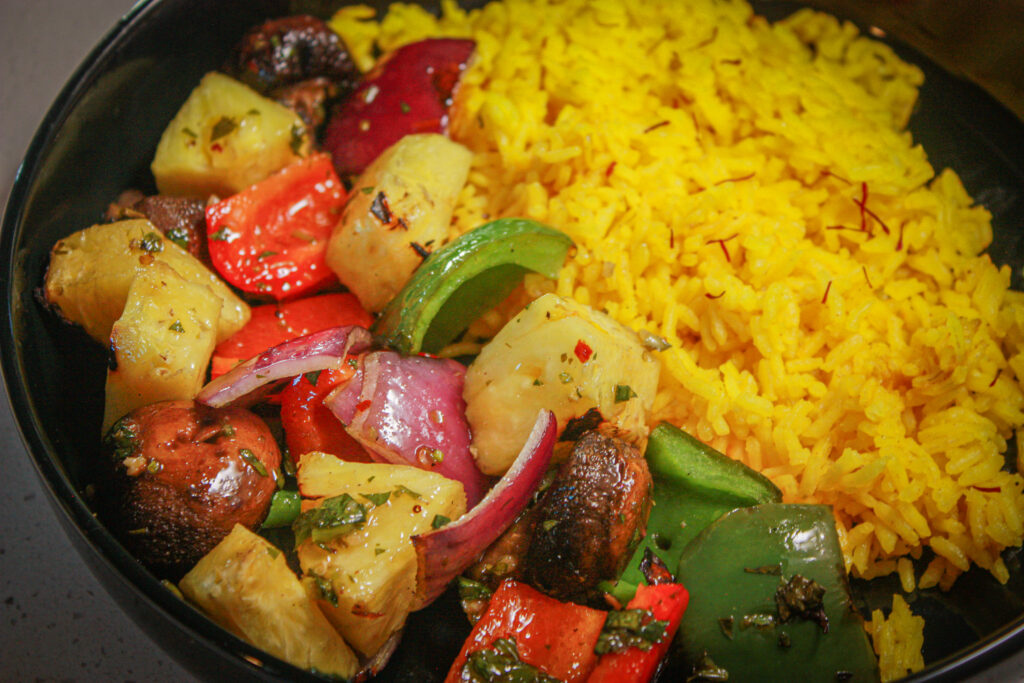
(308, 424)
(408, 91)
(667, 602)
(272, 324)
(271, 238)
(556, 637)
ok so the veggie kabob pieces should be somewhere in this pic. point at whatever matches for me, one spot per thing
(770, 599)
(399, 210)
(178, 477)
(409, 91)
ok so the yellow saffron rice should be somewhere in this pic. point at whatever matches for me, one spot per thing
(748, 192)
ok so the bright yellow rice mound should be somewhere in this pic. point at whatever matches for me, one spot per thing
(748, 192)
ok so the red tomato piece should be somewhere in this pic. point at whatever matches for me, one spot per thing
(308, 424)
(667, 602)
(271, 238)
(409, 91)
(273, 324)
(556, 637)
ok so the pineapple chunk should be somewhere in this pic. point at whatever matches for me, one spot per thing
(563, 356)
(225, 138)
(371, 570)
(245, 585)
(162, 343)
(405, 197)
(91, 271)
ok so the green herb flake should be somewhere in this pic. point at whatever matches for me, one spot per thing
(762, 622)
(176, 327)
(313, 377)
(298, 139)
(273, 552)
(564, 377)
(121, 439)
(154, 466)
(352, 363)
(630, 628)
(189, 132)
(152, 243)
(225, 126)
(377, 499)
(179, 236)
(220, 235)
(473, 590)
(254, 462)
(623, 392)
(706, 671)
(366, 190)
(439, 521)
(404, 107)
(266, 254)
(538, 383)
(334, 517)
(501, 662)
(227, 430)
(142, 531)
(325, 588)
(379, 551)
(253, 112)
(407, 491)
(549, 524)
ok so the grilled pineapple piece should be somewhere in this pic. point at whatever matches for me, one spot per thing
(162, 343)
(559, 355)
(245, 585)
(367, 575)
(225, 138)
(404, 198)
(90, 273)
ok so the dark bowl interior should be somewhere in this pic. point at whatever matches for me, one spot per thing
(98, 139)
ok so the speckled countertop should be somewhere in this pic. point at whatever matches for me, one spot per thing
(56, 622)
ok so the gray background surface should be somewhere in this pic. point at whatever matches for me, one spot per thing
(56, 622)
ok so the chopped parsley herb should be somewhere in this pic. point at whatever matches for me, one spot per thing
(377, 499)
(189, 132)
(273, 552)
(623, 392)
(564, 377)
(352, 363)
(179, 236)
(439, 521)
(628, 628)
(407, 491)
(225, 125)
(366, 190)
(298, 138)
(266, 254)
(802, 597)
(151, 243)
(404, 106)
(312, 377)
(253, 112)
(549, 524)
(254, 462)
(221, 235)
(227, 430)
(176, 327)
(326, 589)
(501, 662)
(332, 518)
(142, 531)
(379, 551)
(537, 382)
(154, 466)
(473, 590)
(762, 622)
(121, 439)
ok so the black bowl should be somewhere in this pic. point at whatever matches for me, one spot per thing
(98, 138)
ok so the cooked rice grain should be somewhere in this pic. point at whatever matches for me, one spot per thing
(748, 192)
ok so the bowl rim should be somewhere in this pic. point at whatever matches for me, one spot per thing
(974, 658)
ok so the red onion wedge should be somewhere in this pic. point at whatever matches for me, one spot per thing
(317, 351)
(409, 410)
(445, 553)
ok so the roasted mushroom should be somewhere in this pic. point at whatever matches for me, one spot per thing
(180, 475)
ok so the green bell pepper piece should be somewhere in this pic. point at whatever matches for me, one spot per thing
(693, 486)
(733, 571)
(466, 278)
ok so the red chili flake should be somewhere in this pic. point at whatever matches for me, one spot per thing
(362, 405)
(735, 180)
(583, 351)
(656, 126)
(837, 177)
(215, 147)
(988, 489)
(864, 269)
(608, 171)
(417, 509)
(721, 243)
(899, 242)
(996, 378)
(714, 296)
(827, 288)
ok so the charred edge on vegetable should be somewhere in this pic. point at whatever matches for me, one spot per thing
(654, 569)
(380, 210)
(419, 249)
(578, 426)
